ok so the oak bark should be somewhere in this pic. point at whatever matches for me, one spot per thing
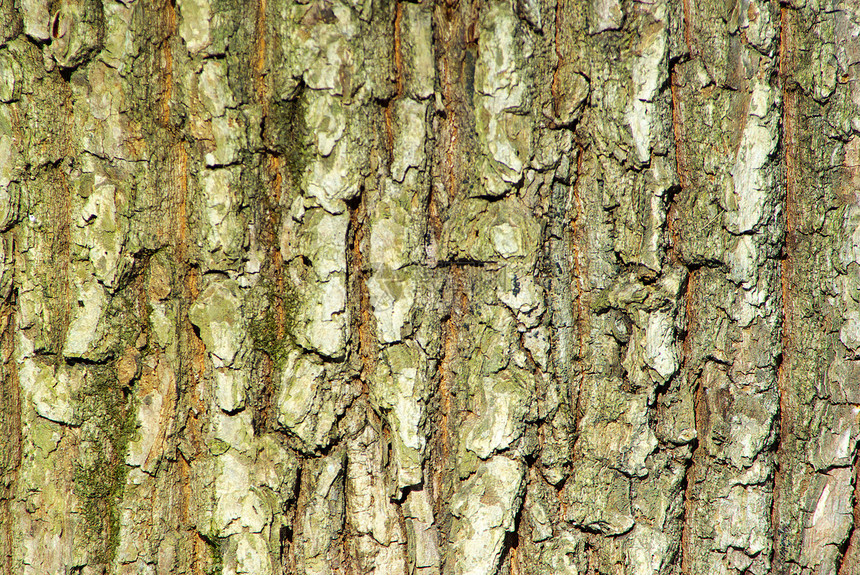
(468, 287)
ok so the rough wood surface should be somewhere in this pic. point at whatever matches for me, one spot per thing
(472, 287)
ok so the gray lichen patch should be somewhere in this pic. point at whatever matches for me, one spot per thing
(484, 507)
(310, 400)
(399, 388)
(501, 404)
(483, 231)
(502, 80)
(87, 327)
(223, 222)
(381, 537)
(52, 389)
(102, 227)
(321, 324)
(217, 314)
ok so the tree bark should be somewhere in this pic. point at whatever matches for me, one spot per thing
(471, 287)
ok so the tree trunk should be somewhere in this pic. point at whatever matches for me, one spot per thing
(468, 288)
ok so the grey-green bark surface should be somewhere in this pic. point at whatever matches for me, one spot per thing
(463, 288)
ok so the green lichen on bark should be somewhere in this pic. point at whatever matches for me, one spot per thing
(107, 426)
(215, 545)
(286, 132)
(271, 330)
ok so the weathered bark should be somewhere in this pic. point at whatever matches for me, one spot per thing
(472, 287)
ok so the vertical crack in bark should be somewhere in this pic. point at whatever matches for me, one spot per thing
(10, 427)
(688, 22)
(259, 61)
(183, 483)
(509, 560)
(676, 257)
(450, 356)
(363, 318)
(848, 559)
(684, 372)
(400, 512)
(581, 312)
(453, 27)
(455, 30)
(788, 149)
(167, 61)
(398, 83)
(293, 519)
(188, 405)
(680, 156)
(60, 214)
(442, 457)
(266, 232)
(442, 26)
(698, 402)
(185, 404)
(559, 57)
(191, 366)
(61, 218)
(178, 167)
(398, 50)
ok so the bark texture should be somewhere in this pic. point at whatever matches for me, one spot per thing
(471, 287)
